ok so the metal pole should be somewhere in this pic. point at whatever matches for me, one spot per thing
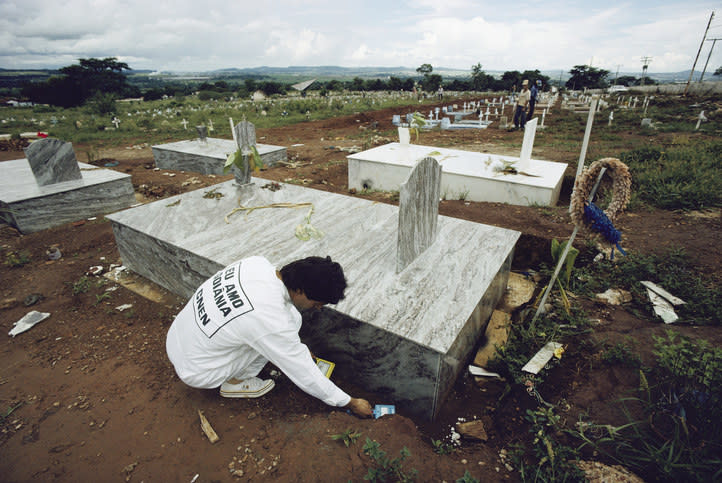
(585, 143)
(562, 259)
(714, 41)
(698, 52)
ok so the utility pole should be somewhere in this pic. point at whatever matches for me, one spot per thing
(617, 74)
(714, 41)
(698, 52)
(646, 60)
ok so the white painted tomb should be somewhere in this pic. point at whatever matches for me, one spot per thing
(29, 207)
(405, 336)
(474, 176)
(208, 156)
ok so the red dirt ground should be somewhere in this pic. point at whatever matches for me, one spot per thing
(89, 395)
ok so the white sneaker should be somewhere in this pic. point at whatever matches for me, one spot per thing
(252, 387)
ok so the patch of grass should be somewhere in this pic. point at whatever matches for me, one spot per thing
(82, 285)
(548, 459)
(671, 270)
(441, 447)
(10, 410)
(680, 177)
(673, 423)
(387, 469)
(621, 354)
(16, 259)
(101, 297)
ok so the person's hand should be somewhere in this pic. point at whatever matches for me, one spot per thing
(360, 407)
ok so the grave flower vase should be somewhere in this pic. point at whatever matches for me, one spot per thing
(242, 175)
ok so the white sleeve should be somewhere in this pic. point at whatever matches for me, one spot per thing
(293, 358)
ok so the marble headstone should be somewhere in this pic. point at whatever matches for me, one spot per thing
(527, 145)
(52, 161)
(418, 211)
(245, 140)
(202, 133)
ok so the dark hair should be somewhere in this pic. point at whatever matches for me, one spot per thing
(321, 279)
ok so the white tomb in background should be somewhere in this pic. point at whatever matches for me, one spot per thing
(465, 174)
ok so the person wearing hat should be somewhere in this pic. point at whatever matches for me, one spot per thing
(533, 97)
(522, 101)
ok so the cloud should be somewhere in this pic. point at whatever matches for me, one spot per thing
(188, 35)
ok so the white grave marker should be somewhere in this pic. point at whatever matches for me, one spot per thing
(527, 145)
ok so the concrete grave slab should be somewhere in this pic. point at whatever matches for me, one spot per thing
(208, 157)
(405, 336)
(473, 176)
(30, 208)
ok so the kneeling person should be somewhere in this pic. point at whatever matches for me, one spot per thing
(246, 315)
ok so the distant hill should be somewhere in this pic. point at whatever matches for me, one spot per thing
(10, 77)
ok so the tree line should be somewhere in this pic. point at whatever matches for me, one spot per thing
(100, 81)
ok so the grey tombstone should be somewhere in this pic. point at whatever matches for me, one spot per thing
(52, 161)
(445, 123)
(245, 140)
(418, 211)
(202, 133)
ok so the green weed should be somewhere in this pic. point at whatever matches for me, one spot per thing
(621, 354)
(673, 429)
(101, 297)
(387, 469)
(348, 437)
(441, 447)
(17, 259)
(82, 285)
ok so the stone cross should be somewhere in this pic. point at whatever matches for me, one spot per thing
(52, 161)
(210, 125)
(115, 122)
(418, 211)
(185, 124)
(611, 118)
(700, 118)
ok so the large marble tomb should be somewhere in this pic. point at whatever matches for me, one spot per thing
(209, 156)
(469, 175)
(29, 207)
(406, 336)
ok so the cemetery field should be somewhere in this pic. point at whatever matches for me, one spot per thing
(89, 394)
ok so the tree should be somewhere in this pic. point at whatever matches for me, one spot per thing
(79, 82)
(627, 80)
(479, 79)
(431, 82)
(425, 69)
(583, 76)
(510, 79)
(718, 71)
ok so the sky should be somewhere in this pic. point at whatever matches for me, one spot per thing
(203, 35)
